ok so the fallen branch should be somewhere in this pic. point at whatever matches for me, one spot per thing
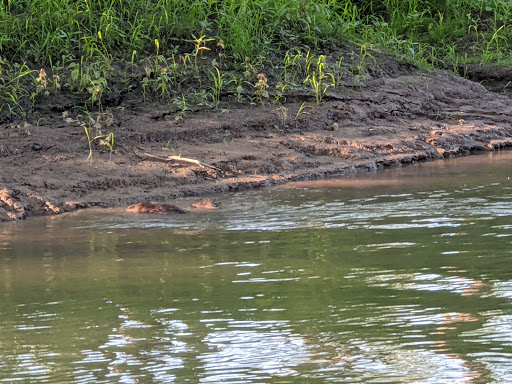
(178, 158)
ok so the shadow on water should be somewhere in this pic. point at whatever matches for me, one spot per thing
(399, 276)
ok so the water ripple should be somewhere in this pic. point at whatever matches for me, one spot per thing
(252, 351)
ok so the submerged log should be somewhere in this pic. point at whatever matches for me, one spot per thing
(145, 207)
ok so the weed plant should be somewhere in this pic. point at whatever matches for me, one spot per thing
(92, 128)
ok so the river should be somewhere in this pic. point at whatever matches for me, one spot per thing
(399, 276)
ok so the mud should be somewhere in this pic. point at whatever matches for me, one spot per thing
(398, 117)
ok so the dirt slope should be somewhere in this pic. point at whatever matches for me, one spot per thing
(395, 119)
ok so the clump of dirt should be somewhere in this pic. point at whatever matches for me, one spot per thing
(159, 154)
(495, 79)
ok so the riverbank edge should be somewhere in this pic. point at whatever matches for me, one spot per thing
(18, 205)
(161, 155)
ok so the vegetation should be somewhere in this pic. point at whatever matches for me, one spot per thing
(205, 51)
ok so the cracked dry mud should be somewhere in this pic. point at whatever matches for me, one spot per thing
(391, 120)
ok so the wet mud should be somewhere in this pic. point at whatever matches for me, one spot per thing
(160, 154)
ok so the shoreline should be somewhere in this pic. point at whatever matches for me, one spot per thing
(410, 117)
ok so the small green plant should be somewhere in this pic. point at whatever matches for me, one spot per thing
(496, 41)
(92, 77)
(174, 149)
(292, 66)
(161, 76)
(199, 46)
(218, 84)
(279, 95)
(16, 85)
(145, 87)
(180, 102)
(239, 92)
(504, 91)
(309, 62)
(92, 128)
(361, 67)
(303, 110)
(165, 80)
(237, 86)
(319, 80)
(97, 85)
(90, 139)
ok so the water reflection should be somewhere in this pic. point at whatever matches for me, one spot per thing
(382, 362)
(249, 350)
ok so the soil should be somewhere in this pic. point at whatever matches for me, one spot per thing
(400, 115)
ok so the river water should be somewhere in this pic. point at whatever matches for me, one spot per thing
(402, 276)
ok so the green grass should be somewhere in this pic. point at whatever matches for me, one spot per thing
(51, 31)
(170, 48)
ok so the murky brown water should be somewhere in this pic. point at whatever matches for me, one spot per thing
(404, 276)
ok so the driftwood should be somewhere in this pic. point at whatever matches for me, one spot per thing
(145, 207)
(178, 158)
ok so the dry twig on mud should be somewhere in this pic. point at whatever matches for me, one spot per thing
(178, 158)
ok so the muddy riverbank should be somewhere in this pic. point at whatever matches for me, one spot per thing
(400, 118)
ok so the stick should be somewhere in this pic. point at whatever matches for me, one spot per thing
(176, 158)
